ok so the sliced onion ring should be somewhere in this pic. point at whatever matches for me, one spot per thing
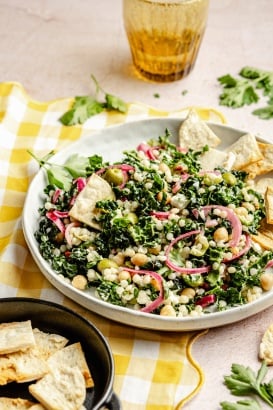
(181, 269)
(232, 218)
(241, 252)
(157, 302)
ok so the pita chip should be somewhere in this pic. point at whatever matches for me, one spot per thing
(84, 208)
(194, 133)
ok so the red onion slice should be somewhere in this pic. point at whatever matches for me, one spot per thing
(180, 269)
(157, 302)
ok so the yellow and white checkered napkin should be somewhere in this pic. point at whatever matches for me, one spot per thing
(154, 370)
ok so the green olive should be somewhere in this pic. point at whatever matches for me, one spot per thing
(201, 245)
(106, 264)
(229, 178)
(114, 176)
(193, 280)
(212, 179)
(132, 218)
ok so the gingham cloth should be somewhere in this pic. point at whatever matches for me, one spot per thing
(153, 370)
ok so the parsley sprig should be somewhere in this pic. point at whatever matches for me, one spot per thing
(62, 175)
(85, 107)
(243, 381)
(248, 88)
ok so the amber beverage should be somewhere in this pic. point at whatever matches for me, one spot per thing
(165, 36)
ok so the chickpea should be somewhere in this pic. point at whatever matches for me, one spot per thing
(119, 259)
(163, 194)
(189, 292)
(79, 282)
(106, 264)
(266, 281)
(155, 250)
(241, 211)
(220, 234)
(249, 206)
(155, 284)
(114, 176)
(124, 275)
(59, 237)
(167, 310)
(139, 259)
(164, 167)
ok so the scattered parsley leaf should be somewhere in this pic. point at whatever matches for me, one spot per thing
(115, 103)
(82, 109)
(184, 92)
(247, 89)
(265, 113)
(156, 95)
(62, 175)
(76, 165)
(236, 92)
(247, 404)
(244, 381)
(85, 107)
(262, 78)
(59, 177)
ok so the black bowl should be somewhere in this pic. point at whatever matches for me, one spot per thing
(54, 318)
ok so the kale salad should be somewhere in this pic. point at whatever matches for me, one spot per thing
(154, 232)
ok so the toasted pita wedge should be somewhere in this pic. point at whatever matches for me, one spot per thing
(48, 343)
(262, 183)
(72, 355)
(37, 406)
(84, 208)
(266, 346)
(22, 366)
(195, 133)
(63, 389)
(269, 204)
(7, 370)
(7, 403)
(264, 165)
(266, 229)
(263, 240)
(246, 150)
(15, 336)
(214, 158)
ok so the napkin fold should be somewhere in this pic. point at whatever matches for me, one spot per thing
(153, 370)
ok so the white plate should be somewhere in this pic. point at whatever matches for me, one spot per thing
(110, 143)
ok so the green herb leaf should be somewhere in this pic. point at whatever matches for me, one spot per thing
(265, 113)
(82, 109)
(76, 165)
(248, 404)
(86, 106)
(244, 90)
(236, 92)
(115, 103)
(59, 177)
(244, 381)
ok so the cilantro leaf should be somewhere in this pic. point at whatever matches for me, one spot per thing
(62, 175)
(115, 103)
(76, 165)
(82, 109)
(265, 113)
(263, 79)
(244, 381)
(247, 89)
(85, 107)
(236, 92)
(59, 177)
(247, 404)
